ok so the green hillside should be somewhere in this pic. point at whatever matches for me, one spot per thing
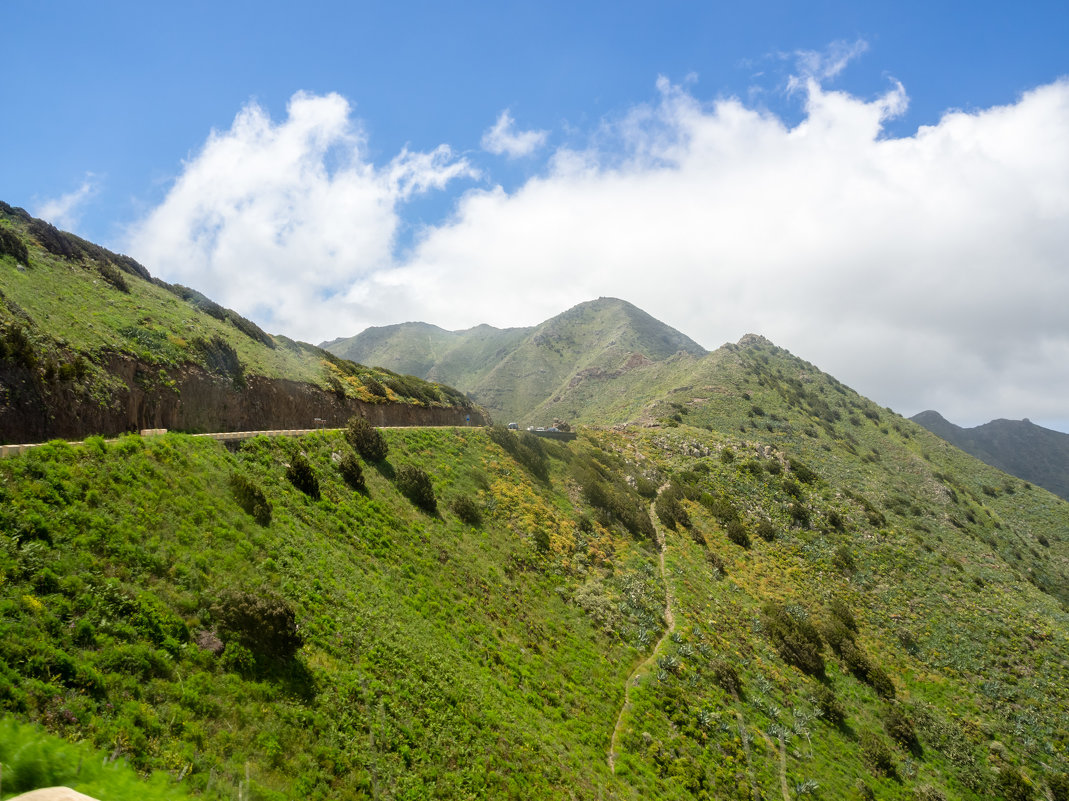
(91, 343)
(844, 606)
(512, 372)
(1019, 447)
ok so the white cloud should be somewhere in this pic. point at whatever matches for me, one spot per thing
(63, 212)
(924, 270)
(502, 139)
(275, 219)
(823, 65)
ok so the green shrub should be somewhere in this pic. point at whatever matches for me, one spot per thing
(726, 677)
(219, 357)
(865, 670)
(795, 638)
(720, 507)
(670, 509)
(841, 612)
(877, 755)
(525, 448)
(467, 510)
(265, 624)
(753, 467)
(607, 491)
(352, 473)
(766, 531)
(899, 727)
(799, 513)
(802, 472)
(718, 564)
(374, 387)
(737, 533)
(137, 659)
(1012, 786)
(829, 705)
(300, 474)
(648, 489)
(251, 498)
(836, 634)
(112, 276)
(416, 485)
(843, 560)
(366, 439)
(236, 658)
(11, 245)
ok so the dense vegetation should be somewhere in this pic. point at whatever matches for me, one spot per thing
(853, 616)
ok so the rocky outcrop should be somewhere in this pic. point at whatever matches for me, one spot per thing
(190, 399)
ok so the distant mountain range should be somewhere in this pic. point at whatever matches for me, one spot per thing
(1018, 447)
(523, 374)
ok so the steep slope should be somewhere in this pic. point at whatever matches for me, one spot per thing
(91, 343)
(514, 371)
(830, 601)
(1019, 447)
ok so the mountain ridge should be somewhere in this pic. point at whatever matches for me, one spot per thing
(1019, 447)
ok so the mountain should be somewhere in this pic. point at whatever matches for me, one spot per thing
(741, 580)
(91, 343)
(517, 373)
(1019, 447)
(770, 587)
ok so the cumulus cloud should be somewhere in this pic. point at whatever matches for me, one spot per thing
(64, 211)
(275, 219)
(925, 270)
(502, 139)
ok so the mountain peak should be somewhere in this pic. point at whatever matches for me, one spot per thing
(512, 371)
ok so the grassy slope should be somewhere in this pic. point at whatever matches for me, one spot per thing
(438, 658)
(67, 310)
(32, 758)
(456, 661)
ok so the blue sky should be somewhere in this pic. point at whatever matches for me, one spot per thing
(390, 180)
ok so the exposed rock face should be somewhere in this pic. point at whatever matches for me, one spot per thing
(191, 399)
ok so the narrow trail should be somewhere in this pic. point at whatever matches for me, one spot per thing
(783, 786)
(645, 664)
(744, 737)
